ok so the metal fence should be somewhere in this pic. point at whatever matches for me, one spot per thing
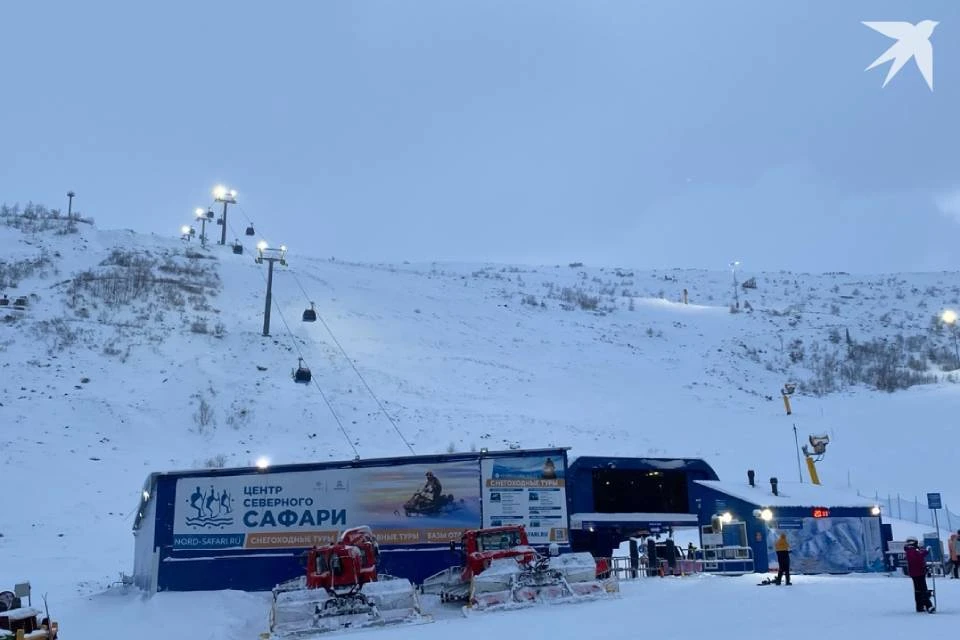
(913, 510)
(623, 569)
(730, 560)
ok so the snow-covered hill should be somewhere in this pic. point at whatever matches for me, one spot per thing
(139, 353)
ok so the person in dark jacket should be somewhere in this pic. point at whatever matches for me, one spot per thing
(917, 570)
(954, 553)
(671, 556)
(653, 564)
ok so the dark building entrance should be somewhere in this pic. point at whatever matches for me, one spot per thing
(612, 499)
(639, 491)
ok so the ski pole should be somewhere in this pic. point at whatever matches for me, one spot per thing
(933, 578)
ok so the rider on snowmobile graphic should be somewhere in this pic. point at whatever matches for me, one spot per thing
(429, 499)
(432, 488)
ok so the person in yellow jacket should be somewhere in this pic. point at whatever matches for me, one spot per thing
(783, 558)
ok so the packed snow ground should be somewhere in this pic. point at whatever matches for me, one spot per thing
(96, 395)
(688, 607)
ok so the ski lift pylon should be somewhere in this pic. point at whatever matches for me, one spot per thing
(310, 315)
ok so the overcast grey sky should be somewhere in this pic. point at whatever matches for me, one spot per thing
(666, 133)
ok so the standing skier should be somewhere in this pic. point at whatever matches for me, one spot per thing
(783, 558)
(917, 568)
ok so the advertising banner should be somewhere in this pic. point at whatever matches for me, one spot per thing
(402, 505)
(830, 545)
(530, 491)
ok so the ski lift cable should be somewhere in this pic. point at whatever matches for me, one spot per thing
(244, 212)
(314, 380)
(355, 370)
(296, 347)
(343, 351)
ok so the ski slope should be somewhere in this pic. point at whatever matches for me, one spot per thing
(96, 395)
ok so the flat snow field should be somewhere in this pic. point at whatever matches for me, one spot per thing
(875, 606)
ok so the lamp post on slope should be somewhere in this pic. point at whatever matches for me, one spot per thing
(736, 294)
(949, 317)
(203, 216)
(226, 196)
(264, 252)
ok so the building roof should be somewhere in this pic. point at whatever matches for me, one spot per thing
(791, 494)
(431, 458)
(639, 462)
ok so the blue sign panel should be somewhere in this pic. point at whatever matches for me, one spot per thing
(933, 501)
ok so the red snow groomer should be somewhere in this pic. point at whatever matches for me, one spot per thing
(499, 569)
(340, 589)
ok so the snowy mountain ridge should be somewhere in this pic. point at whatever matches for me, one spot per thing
(142, 353)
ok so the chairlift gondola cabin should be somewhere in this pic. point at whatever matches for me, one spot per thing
(4, 301)
(302, 374)
(310, 315)
(20, 303)
(237, 247)
(250, 231)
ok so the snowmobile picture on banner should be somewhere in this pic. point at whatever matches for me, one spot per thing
(429, 500)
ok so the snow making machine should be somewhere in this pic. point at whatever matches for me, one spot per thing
(341, 590)
(500, 570)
